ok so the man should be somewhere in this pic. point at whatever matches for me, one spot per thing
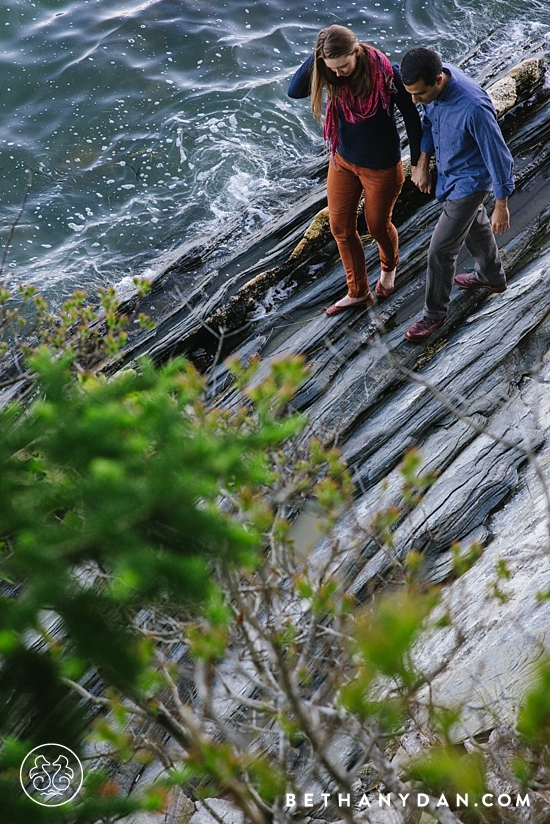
(461, 128)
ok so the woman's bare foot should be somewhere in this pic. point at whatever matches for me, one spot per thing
(349, 303)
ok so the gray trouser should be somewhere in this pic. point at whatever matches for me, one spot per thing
(462, 221)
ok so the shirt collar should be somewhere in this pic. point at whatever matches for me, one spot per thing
(447, 91)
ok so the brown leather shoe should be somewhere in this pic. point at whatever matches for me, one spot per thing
(469, 280)
(366, 300)
(423, 329)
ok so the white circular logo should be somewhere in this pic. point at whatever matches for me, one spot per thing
(51, 775)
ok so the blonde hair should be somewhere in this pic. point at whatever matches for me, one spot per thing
(332, 43)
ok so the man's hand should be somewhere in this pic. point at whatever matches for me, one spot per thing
(420, 174)
(500, 220)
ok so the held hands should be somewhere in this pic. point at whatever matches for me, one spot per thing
(500, 220)
(420, 174)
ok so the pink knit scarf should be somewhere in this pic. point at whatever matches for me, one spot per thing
(353, 108)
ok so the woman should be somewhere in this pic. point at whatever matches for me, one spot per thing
(362, 88)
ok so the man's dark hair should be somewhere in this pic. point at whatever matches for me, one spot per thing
(420, 64)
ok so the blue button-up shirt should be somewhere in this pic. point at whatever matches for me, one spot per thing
(461, 127)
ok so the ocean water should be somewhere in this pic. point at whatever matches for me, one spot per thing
(128, 128)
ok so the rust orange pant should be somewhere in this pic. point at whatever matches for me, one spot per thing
(345, 182)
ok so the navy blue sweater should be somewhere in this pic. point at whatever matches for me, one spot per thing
(374, 143)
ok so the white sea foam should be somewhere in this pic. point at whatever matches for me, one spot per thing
(143, 131)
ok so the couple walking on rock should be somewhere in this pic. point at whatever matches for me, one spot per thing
(459, 126)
